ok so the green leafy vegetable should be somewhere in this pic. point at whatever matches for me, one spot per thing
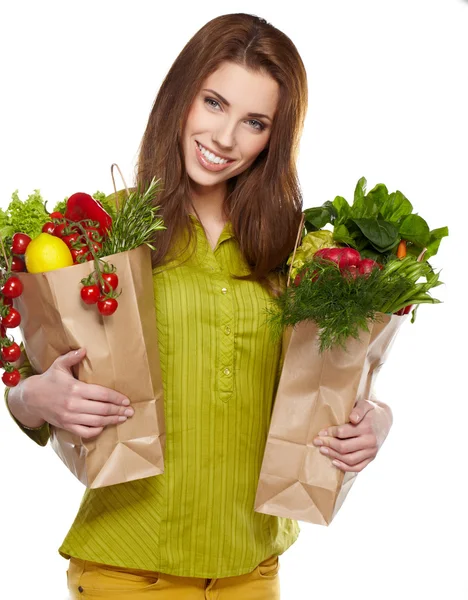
(25, 216)
(415, 229)
(381, 234)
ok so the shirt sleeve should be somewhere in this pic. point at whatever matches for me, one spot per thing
(40, 435)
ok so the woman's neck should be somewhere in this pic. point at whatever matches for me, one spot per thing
(210, 206)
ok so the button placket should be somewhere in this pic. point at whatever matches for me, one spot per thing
(226, 343)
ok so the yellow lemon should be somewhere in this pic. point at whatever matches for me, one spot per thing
(46, 253)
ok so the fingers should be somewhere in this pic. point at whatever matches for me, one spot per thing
(348, 429)
(86, 432)
(96, 421)
(355, 468)
(361, 408)
(354, 444)
(353, 458)
(101, 393)
(95, 407)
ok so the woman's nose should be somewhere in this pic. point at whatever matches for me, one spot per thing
(225, 137)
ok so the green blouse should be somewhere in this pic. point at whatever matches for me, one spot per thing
(220, 371)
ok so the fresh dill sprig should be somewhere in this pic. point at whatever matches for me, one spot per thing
(135, 223)
(341, 305)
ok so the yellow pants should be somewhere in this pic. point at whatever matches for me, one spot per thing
(94, 581)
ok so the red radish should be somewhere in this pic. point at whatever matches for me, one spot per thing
(297, 279)
(351, 271)
(349, 257)
(367, 265)
(333, 254)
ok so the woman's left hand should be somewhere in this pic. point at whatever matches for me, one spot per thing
(352, 446)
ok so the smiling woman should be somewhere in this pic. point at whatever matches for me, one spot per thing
(223, 136)
(227, 96)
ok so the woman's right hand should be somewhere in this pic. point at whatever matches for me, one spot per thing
(65, 402)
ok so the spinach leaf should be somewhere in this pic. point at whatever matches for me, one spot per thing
(369, 253)
(435, 237)
(319, 216)
(379, 195)
(360, 190)
(343, 210)
(381, 234)
(395, 207)
(415, 229)
(342, 235)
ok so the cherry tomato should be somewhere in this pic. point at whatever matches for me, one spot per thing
(17, 264)
(11, 378)
(11, 353)
(56, 215)
(12, 319)
(19, 243)
(93, 233)
(107, 306)
(48, 228)
(58, 231)
(90, 294)
(77, 253)
(6, 301)
(71, 239)
(111, 281)
(12, 288)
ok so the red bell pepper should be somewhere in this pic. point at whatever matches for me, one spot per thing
(83, 206)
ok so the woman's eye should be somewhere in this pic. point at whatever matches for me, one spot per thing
(259, 126)
(208, 100)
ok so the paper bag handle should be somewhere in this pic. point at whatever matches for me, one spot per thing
(113, 181)
(298, 237)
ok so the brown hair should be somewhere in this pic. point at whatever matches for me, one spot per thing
(264, 203)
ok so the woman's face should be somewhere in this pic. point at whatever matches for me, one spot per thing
(219, 120)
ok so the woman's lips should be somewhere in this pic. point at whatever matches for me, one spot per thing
(209, 166)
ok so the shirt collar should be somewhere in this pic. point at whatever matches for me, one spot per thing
(226, 233)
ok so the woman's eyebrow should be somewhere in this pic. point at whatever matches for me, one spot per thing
(260, 115)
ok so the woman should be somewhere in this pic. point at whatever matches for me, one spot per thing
(223, 135)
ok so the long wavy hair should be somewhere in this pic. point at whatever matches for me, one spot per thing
(264, 202)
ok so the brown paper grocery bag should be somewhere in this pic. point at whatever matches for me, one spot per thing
(121, 353)
(316, 390)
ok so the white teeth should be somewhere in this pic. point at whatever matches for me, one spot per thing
(212, 157)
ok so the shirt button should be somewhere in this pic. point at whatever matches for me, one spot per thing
(224, 290)
(226, 371)
(227, 330)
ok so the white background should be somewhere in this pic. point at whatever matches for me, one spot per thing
(388, 101)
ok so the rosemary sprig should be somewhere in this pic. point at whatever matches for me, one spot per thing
(135, 223)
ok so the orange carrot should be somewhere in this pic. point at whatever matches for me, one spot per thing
(401, 252)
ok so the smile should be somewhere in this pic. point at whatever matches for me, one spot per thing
(210, 161)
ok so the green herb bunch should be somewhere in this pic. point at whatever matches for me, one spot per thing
(135, 221)
(343, 305)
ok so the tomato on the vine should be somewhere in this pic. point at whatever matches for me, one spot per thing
(56, 215)
(90, 294)
(12, 319)
(48, 228)
(111, 281)
(12, 288)
(5, 301)
(11, 353)
(11, 378)
(71, 239)
(19, 243)
(77, 253)
(58, 231)
(107, 306)
(17, 264)
(93, 233)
